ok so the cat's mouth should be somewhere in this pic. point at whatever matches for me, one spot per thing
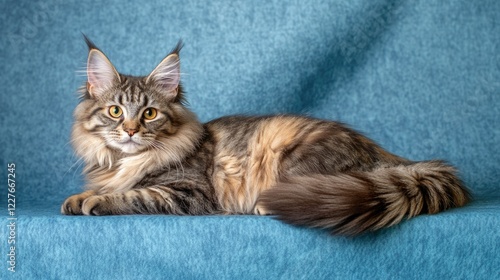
(130, 146)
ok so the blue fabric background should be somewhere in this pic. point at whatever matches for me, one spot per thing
(422, 78)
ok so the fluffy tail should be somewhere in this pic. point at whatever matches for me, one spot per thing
(358, 202)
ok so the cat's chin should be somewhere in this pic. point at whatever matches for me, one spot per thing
(129, 147)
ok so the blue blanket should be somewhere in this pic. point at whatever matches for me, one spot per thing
(422, 78)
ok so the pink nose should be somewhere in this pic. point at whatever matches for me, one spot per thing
(131, 131)
(131, 127)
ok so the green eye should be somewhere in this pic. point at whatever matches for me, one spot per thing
(115, 111)
(150, 113)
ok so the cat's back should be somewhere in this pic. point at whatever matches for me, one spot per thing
(286, 140)
(241, 131)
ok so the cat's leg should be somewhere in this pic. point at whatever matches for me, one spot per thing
(177, 200)
(260, 210)
(73, 204)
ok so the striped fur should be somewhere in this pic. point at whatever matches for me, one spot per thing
(305, 171)
(354, 202)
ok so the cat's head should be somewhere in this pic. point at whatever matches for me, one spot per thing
(130, 114)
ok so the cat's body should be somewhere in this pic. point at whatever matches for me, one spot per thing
(146, 153)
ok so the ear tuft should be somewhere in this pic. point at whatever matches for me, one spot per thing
(89, 42)
(178, 48)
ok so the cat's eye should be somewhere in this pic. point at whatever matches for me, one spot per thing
(150, 113)
(115, 111)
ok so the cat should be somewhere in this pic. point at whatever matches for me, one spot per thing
(145, 152)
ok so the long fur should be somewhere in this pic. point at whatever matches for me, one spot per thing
(357, 202)
(305, 171)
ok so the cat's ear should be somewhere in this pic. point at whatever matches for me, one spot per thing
(101, 74)
(167, 75)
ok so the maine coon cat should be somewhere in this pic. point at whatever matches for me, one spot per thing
(146, 153)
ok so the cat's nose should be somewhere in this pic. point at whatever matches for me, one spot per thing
(130, 127)
(131, 131)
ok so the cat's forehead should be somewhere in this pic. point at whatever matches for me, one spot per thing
(134, 91)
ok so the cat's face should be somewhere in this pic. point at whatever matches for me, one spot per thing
(132, 117)
(131, 114)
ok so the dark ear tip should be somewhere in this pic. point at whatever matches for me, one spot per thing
(89, 42)
(178, 47)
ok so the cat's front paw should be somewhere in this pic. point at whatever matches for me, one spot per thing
(97, 205)
(73, 204)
